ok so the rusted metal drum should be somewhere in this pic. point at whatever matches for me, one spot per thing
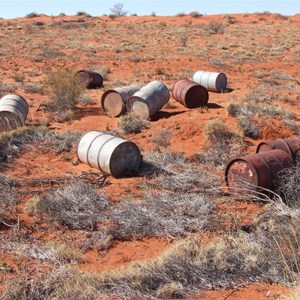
(256, 171)
(110, 154)
(113, 101)
(149, 99)
(89, 79)
(289, 145)
(13, 112)
(189, 93)
(212, 81)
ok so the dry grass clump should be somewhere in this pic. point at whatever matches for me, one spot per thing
(161, 214)
(215, 27)
(76, 206)
(58, 253)
(64, 93)
(172, 171)
(158, 162)
(62, 283)
(162, 139)
(7, 196)
(132, 123)
(221, 143)
(33, 88)
(195, 14)
(32, 15)
(294, 295)
(288, 185)
(252, 110)
(12, 143)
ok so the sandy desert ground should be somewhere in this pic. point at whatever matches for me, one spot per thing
(260, 55)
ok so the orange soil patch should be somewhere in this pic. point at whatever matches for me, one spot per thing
(256, 291)
(124, 253)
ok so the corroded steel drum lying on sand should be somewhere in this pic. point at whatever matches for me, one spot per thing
(13, 112)
(212, 81)
(108, 153)
(189, 93)
(256, 170)
(113, 101)
(149, 99)
(289, 145)
(89, 79)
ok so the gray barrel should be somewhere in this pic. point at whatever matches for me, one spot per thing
(13, 112)
(212, 81)
(89, 79)
(149, 99)
(113, 101)
(110, 154)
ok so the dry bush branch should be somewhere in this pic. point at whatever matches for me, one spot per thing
(12, 143)
(8, 198)
(132, 123)
(76, 206)
(288, 185)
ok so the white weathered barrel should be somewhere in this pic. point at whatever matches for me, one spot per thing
(113, 101)
(13, 112)
(110, 154)
(149, 99)
(212, 81)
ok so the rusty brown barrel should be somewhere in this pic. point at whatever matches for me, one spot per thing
(13, 112)
(149, 99)
(89, 79)
(256, 170)
(213, 81)
(289, 145)
(110, 154)
(113, 101)
(189, 93)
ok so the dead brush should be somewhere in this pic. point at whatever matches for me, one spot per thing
(132, 123)
(257, 104)
(64, 92)
(76, 206)
(158, 162)
(58, 253)
(221, 143)
(13, 142)
(159, 214)
(288, 185)
(172, 171)
(8, 198)
(162, 139)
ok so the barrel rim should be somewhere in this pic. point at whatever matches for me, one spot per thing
(140, 99)
(260, 144)
(290, 153)
(134, 146)
(104, 95)
(232, 161)
(131, 100)
(22, 98)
